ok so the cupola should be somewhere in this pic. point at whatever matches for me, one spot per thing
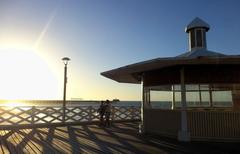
(197, 34)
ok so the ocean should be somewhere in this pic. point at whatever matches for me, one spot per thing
(72, 103)
(60, 103)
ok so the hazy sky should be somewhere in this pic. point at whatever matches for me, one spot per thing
(99, 35)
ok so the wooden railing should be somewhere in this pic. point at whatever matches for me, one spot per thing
(47, 115)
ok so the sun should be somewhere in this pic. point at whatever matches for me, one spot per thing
(25, 75)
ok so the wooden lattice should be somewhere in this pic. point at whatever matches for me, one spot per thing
(30, 115)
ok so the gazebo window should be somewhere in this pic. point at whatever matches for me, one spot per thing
(204, 87)
(177, 88)
(178, 99)
(222, 98)
(177, 95)
(197, 95)
(192, 38)
(205, 98)
(199, 38)
(161, 99)
(193, 99)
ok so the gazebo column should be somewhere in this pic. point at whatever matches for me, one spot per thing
(144, 105)
(173, 97)
(210, 95)
(183, 134)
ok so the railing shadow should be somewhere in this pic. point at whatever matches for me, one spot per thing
(71, 139)
(119, 138)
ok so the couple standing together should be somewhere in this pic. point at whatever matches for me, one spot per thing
(105, 112)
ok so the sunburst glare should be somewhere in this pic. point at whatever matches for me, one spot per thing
(25, 75)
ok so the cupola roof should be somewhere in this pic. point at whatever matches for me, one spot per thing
(197, 23)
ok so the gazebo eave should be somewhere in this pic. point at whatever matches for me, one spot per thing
(132, 73)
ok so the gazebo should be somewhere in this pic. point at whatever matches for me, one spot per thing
(193, 96)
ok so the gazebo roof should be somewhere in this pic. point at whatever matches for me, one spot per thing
(130, 73)
(201, 52)
(198, 55)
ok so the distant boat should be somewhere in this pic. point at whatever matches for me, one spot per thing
(116, 100)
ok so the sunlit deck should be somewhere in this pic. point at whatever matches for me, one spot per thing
(120, 138)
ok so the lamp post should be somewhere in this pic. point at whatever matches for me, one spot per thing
(65, 61)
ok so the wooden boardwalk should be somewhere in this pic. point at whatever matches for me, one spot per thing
(120, 138)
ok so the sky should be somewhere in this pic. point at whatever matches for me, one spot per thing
(99, 35)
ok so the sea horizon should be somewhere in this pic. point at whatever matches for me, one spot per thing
(68, 103)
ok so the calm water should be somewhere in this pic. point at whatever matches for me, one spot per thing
(59, 103)
(155, 104)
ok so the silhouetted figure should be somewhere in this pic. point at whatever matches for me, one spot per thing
(108, 112)
(101, 112)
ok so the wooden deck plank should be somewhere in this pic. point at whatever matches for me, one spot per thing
(4, 148)
(31, 148)
(39, 141)
(21, 143)
(63, 132)
(80, 147)
(50, 140)
(2, 144)
(29, 137)
(60, 142)
(11, 147)
(120, 138)
(20, 148)
(17, 143)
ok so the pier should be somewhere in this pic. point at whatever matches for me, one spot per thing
(41, 129)
(121, 137)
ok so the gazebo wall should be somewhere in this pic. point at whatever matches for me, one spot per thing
(167, 76)
(195, 74)
(198, 74)
(212, 74)
(236, 99)
(202, 125)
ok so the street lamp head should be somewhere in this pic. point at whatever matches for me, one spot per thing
(65, 60)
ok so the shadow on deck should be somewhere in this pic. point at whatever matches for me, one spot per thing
(120, 138)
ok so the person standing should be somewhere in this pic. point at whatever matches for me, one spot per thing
(108, 113)
(101, 112)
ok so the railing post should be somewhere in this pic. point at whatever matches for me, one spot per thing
(90, 114)
(132, 112)
(64, 114)
(32, 115)
(139, 115)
